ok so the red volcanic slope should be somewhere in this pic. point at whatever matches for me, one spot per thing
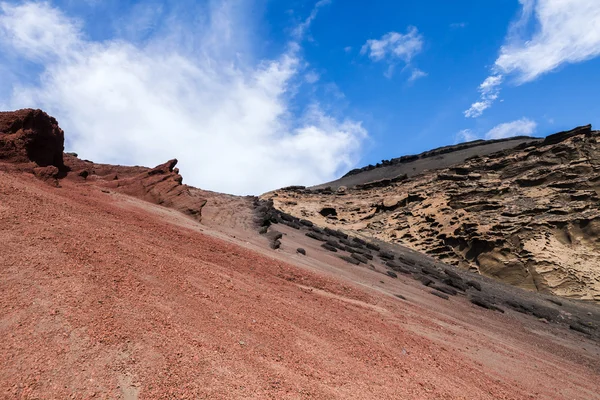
(103, 295)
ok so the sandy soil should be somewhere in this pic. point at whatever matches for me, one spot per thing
(106, 296)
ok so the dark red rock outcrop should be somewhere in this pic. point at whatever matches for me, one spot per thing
(31, 141)
(161, 185)
(31, 136)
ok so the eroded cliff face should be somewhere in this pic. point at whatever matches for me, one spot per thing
(528, 216)
(31, 137)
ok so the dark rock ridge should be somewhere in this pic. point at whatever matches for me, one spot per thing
(32, 141)
(437, 152)
(414, 165)
(528, 215)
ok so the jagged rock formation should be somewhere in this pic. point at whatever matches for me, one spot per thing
(31, 141)
(31, 136)
(528, 215)
(161, 185)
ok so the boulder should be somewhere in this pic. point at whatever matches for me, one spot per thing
(359, 257)
(350, 260)
(329, 247)
(31, 136)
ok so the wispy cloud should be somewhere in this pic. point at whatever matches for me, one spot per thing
(520, 127)
(233, 124)
(311, 77)
(489, 91)
(394, 47)
(417, 74)
(300, 30)
(458, 25)
(567, 32)
(465, 135)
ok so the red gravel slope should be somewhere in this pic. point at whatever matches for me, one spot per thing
(105, 296)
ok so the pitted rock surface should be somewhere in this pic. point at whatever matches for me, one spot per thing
(528, 215)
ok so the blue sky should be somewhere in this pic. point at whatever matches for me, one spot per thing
(255, 95)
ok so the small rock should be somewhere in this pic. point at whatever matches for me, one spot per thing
(440, 295)
(350, 260)
(359, 257)
(329, 247)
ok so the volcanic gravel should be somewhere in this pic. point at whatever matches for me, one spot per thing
(106, 296)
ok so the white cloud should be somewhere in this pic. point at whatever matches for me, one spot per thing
(42, 36)
(490, 85)
(520, 127)
(569, 32)
(348, 49)
(457, 25)
(465, 135)
(489, 90)
(394, 47)
(477, 108)
(417, 74)
(517, 28)
(228, 122)
(566, 32)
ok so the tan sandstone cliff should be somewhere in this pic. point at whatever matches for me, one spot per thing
(528, 215)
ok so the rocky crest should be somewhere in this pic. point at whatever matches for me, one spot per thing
(161, 185)
(31, 141)
(484, 144)
(413, 165)
(31, 136)
(527, 215)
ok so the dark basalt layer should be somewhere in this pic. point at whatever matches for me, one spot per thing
(442, 157)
